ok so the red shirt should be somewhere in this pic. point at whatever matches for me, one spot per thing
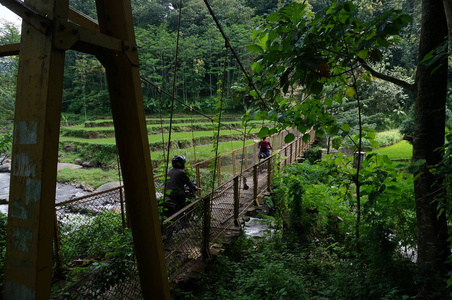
(264, 145)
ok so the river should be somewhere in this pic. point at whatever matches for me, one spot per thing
(64, 192)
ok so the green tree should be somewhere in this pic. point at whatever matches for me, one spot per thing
(85, 86)
(263, 7)
(9, 34)
(146, 12)
(299, 50)
(86, 7)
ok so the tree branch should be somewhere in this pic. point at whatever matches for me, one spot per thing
(396, 81)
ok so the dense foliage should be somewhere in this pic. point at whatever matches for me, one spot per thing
(314, 253)
(8, 73)
(319, 64)
(200, 55)
(97, 245)
(310, 78)
(308, 63)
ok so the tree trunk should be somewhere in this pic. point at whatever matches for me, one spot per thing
(430, 103)
(448, 9)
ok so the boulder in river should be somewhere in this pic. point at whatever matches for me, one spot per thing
(5, 167)
(109, 186)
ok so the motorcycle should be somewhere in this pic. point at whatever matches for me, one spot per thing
(190, 192)
(171, 208)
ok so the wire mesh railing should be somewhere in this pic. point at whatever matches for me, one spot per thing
(94, 249)
(183, 238)
(94, 255)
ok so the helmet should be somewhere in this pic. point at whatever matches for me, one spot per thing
(178, 161)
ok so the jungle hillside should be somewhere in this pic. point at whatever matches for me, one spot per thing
(365, 214)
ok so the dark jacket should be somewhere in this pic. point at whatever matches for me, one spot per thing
(177, 179)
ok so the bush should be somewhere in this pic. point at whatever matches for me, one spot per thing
(314, 154)
(5, 145)
(305, 199)
(316, 256)
(117, 271)
(387, 138)
(3, 221)
(279, 268)
(108, 258)
(86, 236)
(407, 129)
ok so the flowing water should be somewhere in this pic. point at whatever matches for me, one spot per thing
(64, 192)
(256, 227)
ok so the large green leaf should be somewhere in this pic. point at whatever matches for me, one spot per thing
(263, 132)
(289, 138)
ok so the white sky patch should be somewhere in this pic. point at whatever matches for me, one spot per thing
(7, 15)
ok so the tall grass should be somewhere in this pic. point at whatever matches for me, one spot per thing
(94, 177)
(389, 137)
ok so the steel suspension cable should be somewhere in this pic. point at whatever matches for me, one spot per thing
(193, 134)
(250, 81)
(159, 96)
(188, 106)
(243, 159)
(219, 120)
(173, 94)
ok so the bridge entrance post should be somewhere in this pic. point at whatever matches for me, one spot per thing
(255, 184)
(206, 227)
(236, 201)
(269, 173)
(234, 163)
(31, 218)
(50, 28)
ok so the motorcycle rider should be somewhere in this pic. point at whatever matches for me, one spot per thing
(175, 187)
(264, 147)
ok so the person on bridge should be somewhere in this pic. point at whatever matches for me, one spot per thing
(176, 186)
(264, 147)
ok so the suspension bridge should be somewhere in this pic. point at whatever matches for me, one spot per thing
(37, 230)
(189, 236)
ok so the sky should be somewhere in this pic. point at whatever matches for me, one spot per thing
(6, 14)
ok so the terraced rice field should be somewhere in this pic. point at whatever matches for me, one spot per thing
(193, 137)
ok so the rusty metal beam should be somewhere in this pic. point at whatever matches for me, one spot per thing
(31, 216)
(115, 19)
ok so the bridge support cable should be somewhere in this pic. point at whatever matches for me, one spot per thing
(189, 106)
(173, 96)
(159, 96)
(209, 200)
(227, 41)
(193, 134)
